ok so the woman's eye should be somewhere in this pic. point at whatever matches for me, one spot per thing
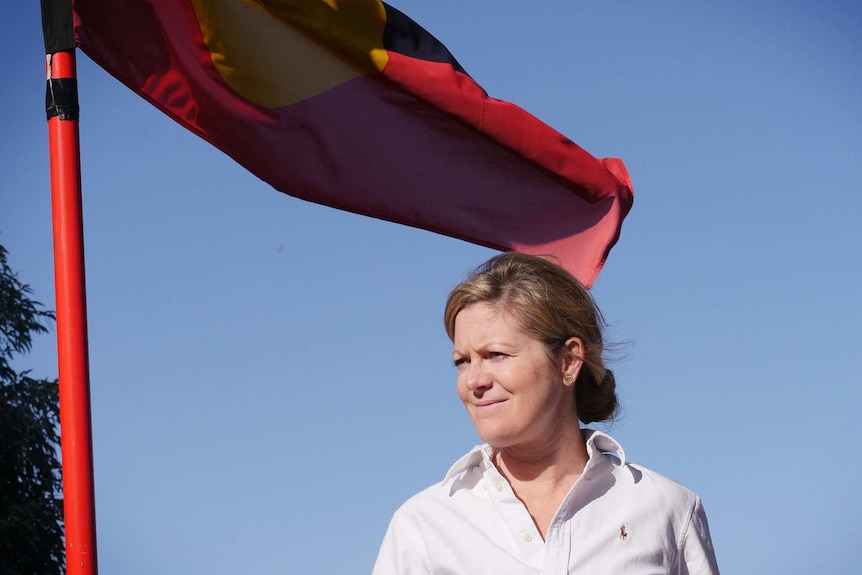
(460, 362)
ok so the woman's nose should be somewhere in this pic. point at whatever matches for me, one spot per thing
(478, 377)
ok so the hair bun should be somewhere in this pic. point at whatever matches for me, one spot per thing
(608, 380)
(596, 401)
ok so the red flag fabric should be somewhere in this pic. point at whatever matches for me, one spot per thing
(350, 104)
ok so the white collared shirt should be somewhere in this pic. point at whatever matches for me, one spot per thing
(617, 518)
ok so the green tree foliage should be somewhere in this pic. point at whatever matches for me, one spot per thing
(31, 505)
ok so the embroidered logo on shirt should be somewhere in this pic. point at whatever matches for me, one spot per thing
(623, 534)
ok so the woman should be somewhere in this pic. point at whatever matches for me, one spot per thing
(542, 495)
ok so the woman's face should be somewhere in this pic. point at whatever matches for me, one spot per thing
(512, 390)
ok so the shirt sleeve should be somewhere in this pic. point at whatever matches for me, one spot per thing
(402, 551)
(697, 557)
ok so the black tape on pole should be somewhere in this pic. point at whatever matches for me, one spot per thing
(57, 26)
(61, 98)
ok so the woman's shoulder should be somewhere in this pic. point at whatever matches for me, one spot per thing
(662, 489)
(636, 483)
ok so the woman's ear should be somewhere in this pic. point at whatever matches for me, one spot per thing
(573, 360)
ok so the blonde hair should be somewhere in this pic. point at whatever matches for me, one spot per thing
(553, 306)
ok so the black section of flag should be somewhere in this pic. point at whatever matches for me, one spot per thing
(404, 36)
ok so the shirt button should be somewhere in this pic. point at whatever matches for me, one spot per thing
(499, 486)
(527, 537)
(587, 477)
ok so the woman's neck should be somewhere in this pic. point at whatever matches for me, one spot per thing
(555, 462)
(542, 478)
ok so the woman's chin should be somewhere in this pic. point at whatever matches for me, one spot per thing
(496, 438)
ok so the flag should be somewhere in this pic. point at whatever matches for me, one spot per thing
(353, 105)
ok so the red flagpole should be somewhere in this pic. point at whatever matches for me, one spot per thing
(75, 427)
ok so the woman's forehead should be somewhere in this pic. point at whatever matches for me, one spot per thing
(485, 320)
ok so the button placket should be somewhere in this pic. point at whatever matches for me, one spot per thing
(557, 547)
(516, 517)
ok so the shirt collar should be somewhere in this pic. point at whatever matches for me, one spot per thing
(472, 459)
(598, 443)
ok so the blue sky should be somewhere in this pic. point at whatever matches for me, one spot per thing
(271, 379)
